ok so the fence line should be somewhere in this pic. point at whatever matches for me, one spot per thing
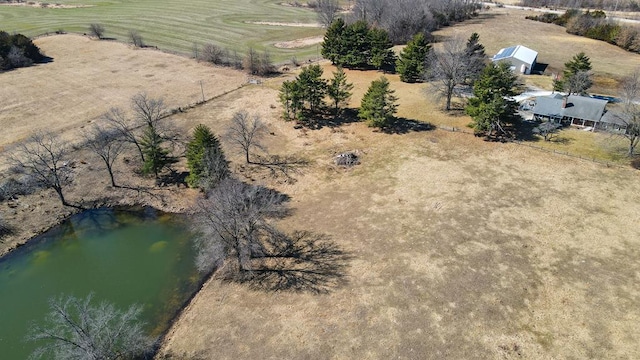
(539, 148)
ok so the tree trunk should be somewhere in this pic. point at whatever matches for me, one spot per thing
(139, 151)
(61, 196)
(113, 182)
(448, 106)
(632, 146)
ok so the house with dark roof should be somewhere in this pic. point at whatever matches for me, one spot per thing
(581, 111)
(521, 58)
(613, 121)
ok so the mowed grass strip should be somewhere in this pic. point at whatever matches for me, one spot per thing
(175, 25)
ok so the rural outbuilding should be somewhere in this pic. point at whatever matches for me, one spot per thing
(521, 58)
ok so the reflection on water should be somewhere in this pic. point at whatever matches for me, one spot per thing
(124, 257)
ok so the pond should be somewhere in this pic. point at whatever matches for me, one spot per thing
(121, 256)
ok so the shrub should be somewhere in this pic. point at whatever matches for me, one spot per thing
(17, 50)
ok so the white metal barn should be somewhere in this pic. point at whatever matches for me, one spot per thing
(521, 58)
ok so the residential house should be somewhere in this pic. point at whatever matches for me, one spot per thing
(573, 110)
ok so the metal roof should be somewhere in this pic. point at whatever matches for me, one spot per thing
(519, 52)
(578, 107)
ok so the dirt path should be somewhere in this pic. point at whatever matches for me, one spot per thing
(298, 43)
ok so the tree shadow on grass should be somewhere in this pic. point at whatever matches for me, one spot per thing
(173, 178)
(328, 119)
(524, 131)
(404, 126)
(300, 262)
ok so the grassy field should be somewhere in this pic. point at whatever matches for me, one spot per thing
(175, 25)
(457, 248)
(460, 249)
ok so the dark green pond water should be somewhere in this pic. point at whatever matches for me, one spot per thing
(124, 257)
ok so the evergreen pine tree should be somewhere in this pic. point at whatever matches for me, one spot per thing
(156, 157)
(339, 90)
(356, 46)
(378, 104)
(411, 64)
(576, 76)
(205, 158)
(474, 52)
(490, 107)
(312, 87)
(332, 46)
(380, 53)
(291, 100)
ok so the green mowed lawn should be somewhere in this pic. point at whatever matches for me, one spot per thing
(175, 25)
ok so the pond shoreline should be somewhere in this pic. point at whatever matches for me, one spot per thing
(38, 213)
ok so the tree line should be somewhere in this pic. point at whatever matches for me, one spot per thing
(595, 25)
(253, 62)
(18, 51)
(402, 19)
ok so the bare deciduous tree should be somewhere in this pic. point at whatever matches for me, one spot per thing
(251, 62)
(215, 169)
(630, 115)
(136, 38)
(96, 30)
(246, 133)
(547, 130)
(232, 218)
(125, 127)
(76, 329)
(147, 110)
(265, 65)
(43, 158)
(448, 67)
(327, 10)
(107, 144)
(578, 83)
(213, 54)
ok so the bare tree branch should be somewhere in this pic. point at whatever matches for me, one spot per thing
(246, 132)
(107, 144)
(630, 115)
(448, 68)
(76, 329)
(327, 10)
(125, 127)
(231, 218)
(43, 157)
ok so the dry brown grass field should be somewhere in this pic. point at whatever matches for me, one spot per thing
(457, 248)
(73, 90)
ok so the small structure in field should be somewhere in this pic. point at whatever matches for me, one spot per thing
(347, 159)
(581, 111)
(521, 58)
